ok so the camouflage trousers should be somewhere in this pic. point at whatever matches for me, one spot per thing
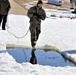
(73, 4)
(35, 31)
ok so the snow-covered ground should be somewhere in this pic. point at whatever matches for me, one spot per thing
(57, 33)
(15, 62)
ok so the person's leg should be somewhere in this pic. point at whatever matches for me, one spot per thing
(33, 36)
(72, 4)
(4, 21)
(74, 7)
(37, 33)
(0, 19)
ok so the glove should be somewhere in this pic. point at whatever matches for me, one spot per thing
(7, 10)
(37, 15)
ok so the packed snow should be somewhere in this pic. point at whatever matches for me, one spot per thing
(9, 65)
(61, 32)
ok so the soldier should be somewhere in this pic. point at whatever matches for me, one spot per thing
(36, 14)
(4, 9)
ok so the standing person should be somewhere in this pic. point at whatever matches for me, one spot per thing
(36, 14)
(73, 5)
(4, 9)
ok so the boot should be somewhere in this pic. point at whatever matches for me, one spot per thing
(74, 11)
(33, 43)
(3, 26)
(33, 48)
(3, 29)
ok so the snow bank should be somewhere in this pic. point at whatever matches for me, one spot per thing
(8, 66)
(71, 55)
(2, 46)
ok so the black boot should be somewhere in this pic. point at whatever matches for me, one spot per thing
(71, 8)
(3, 27)
(74, 11)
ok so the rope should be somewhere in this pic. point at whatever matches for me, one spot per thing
(14, 34)
(17, 36)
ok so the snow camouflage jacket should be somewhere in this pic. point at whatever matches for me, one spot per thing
(4, 7)
(39, 11)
